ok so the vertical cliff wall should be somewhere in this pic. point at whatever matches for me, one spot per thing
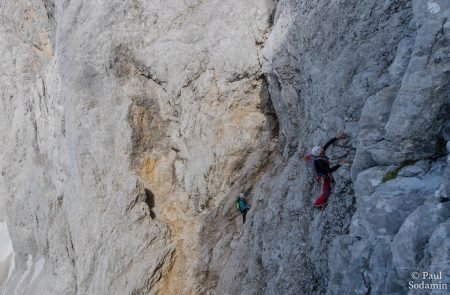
(125, 124)
(379, 70)
(129, 128)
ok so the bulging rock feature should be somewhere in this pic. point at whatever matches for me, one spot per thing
(376, 71)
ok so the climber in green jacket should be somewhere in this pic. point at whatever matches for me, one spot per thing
(243, 205)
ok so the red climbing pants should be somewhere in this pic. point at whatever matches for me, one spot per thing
(326, 190)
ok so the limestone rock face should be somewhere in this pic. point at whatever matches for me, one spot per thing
(379, 70)
(129, 128)
(125, 124)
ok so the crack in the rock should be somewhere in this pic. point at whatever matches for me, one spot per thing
(436, 38)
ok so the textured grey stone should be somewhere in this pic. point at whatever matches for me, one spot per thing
(126, 125)
(329, 65)
(408, 246)
(130, 127)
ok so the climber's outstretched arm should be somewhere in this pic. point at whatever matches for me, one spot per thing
(339, 135)
(330, 142)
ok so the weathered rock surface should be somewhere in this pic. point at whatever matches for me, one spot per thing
(126, 124)
(130, 126)
(380, 71)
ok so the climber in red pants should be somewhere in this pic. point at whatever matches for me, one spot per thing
(323, 170)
